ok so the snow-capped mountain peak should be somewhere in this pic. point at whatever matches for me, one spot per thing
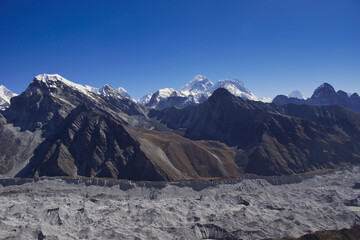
(108, 91)
(265, 99)
(51, 79)
(145, 99)
(5, 96)
(235, 87)
(124, 93)
(199, 84)
(297, 94)
(163, 94)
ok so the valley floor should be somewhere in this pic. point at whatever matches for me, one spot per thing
(248, 209)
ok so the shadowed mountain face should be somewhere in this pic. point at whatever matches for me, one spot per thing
(271, 142)
(324, 95)
(90, 144)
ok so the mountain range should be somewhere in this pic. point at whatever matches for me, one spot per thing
(195, 92)
(324, 95)
(60, 128)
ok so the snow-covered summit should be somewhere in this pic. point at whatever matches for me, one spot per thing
(124, 93)
(197, 91)
(145, 99)
(200, 84)
(5, 96)
(107, 90)
(297, 94)
(51, 79)
(236, 87)
(265, 99)
(162, 94)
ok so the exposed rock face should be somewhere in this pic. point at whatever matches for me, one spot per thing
(270, 141)
(90, 144)
(324, 95)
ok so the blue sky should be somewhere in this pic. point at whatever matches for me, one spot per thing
(273, 46)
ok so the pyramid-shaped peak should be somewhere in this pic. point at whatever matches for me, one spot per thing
(325, 86)
(198, 85)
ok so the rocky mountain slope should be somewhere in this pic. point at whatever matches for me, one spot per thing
(324, 95)
(60, 128)
(272, 139)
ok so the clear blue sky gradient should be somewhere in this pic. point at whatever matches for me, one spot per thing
(273, 46)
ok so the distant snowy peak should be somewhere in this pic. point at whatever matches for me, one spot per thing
(196, 91)
(162, 94)
(235, 87)
(199, 85)
(5, 96)
(124, 93)
(109, 91)
(297, 94)
(145, 99)
(265, 99)
(166, 92)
